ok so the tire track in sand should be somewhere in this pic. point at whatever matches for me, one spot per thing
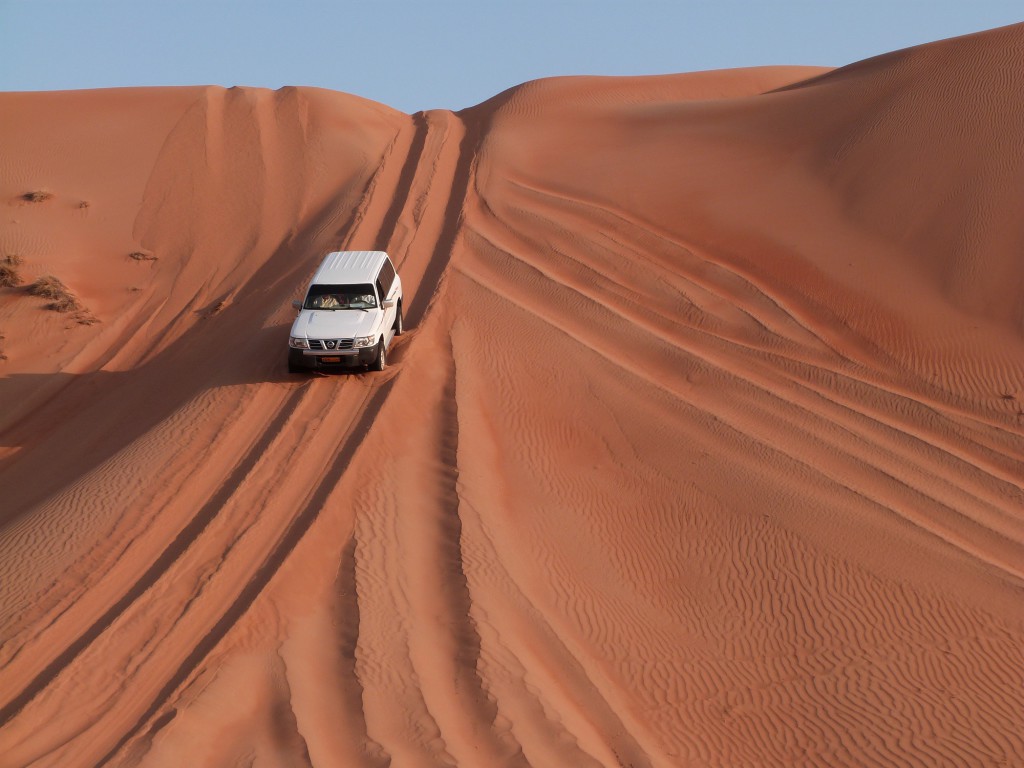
(264, 573)
(408, 194)
(434, 225)
(185, 538)
(441, 605)
(454, 170)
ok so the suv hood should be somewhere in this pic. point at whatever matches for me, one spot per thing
(335, 324)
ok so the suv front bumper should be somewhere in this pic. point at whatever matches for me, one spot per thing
(331, 361)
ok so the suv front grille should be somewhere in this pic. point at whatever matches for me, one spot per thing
(330, 344)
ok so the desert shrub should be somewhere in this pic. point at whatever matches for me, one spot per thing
(64, 303)
(49, 287)
(142, 256)
(38, 196)
(9, 275)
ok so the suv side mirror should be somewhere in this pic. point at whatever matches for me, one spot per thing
(296, 304)
(388, 303)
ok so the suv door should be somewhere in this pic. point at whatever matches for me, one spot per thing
(384, 281)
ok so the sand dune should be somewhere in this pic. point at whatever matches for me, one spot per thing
(705, 446)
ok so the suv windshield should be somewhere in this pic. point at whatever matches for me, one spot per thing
(340, 297)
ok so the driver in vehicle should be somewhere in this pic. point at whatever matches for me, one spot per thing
(327, 301)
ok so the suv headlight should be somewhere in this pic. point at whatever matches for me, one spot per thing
(363, 341)
(298, 343)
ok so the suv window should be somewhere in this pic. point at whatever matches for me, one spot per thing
(385, 278)
(340, 297)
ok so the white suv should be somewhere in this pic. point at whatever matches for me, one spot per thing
(352, 311)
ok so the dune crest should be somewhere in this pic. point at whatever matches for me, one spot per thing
(705, 445)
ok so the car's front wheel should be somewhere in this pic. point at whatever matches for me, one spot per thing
(380, 360)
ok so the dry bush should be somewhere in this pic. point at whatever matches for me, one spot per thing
(9, 275)
(65, 303)
(142, 256)
(38, 196)
(49, 287)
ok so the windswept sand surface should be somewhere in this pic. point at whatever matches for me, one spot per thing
(705, 446)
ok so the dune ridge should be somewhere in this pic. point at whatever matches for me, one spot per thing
(705, 446)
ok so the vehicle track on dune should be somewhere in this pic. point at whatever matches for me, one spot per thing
(295, 529)
(856, 418)
(400, 213)
(226, 557)
(185, 538)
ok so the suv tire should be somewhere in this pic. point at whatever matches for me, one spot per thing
(380, 360)
(399, 321)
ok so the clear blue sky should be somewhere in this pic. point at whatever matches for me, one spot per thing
(449, 53)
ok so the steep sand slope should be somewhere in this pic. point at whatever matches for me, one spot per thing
(706, 446)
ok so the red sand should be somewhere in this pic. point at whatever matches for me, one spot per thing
(706, 446)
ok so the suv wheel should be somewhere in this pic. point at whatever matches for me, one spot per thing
(380, 361)
(399, 322)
